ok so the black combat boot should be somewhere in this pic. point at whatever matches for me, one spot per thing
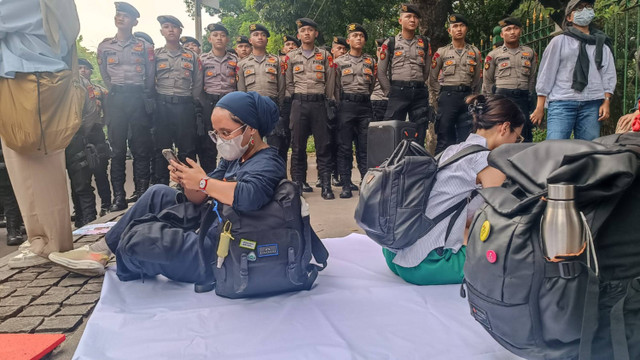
(304, 187)
(327, 193)
(14, 235)
(346, 187)
(119, 197)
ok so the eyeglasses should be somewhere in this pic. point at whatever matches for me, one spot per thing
(582, 6)
(520, 138)
(215, 135)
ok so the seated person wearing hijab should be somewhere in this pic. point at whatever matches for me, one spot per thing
(436, 259)
(245, 179)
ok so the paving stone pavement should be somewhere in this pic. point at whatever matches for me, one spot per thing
(49, 299)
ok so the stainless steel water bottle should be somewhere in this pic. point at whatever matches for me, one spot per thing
(562, 229)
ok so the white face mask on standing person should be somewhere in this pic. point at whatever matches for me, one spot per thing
(583, 17)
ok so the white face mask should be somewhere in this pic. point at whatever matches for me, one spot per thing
(231, 149)
(583, 17)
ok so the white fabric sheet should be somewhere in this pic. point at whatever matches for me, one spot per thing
(357, 309)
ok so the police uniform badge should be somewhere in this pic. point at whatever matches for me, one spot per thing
(404, 8)
(352, 27)
(252, 27)
(452, 18)
(335, 39)
(299, 23)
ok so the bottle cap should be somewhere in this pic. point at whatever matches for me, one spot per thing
(561, 191)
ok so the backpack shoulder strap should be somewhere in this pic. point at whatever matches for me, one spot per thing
(391, 46)
(319, 252)
(469, 150)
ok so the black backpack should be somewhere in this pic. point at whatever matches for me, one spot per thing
(395, 195)
(585, 307)
(271, 250)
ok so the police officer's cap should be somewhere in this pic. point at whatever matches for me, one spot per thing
(169, 19)
(410, 8)
(258, 27)
(457, 18)
(127, 8)
(380, 41)
(189, 39)
(85, 62)
(353, 27)
(217, 27)
(306, 22)
(143, 35)
(242, 40)
(291, 38)
(510, 21)
(340, 41)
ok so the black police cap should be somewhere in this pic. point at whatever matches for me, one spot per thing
(510, 21)
(340, 41)
(291, 38)
(353, 27)
(242, 40)
(410, 8)
(143, 35)
(169, 19)
(457, 18)
(306, 22)
(85, 62)
(258, 27)
(189, 39)
(127, 8)
(217, 27)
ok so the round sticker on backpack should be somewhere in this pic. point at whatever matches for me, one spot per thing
(485, 230)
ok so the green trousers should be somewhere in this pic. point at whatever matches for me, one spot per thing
(434, 270)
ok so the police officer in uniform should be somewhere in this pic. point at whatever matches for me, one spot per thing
(310, 78)
(339, 47)
(82, 157)
(355, 80)
(290, 43)
(262, 72)
(178, 87)
(378, 99)
(191, 43)
(404, 70)
(510, 70)
(461, 76)
(219, 79)
(127, 66)
(96, 138)
(243, 47)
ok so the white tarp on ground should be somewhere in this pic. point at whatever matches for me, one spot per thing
(357, 310)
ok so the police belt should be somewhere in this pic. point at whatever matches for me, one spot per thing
(409, 84)
(459, 88)
(214, 98)
(309, 97)
(174, 99)
(126, 89)
(512, 92)
(360, 98)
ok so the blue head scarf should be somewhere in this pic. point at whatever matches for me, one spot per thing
(259, 112)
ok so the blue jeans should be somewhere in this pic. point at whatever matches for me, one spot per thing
(579, 117)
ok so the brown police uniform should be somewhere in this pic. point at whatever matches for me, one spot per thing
(310, 82)
(512, 73)
(179, 83)
(219, 80)
(403, 72)
(355, 81)
(460, 77)
(128, 69)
